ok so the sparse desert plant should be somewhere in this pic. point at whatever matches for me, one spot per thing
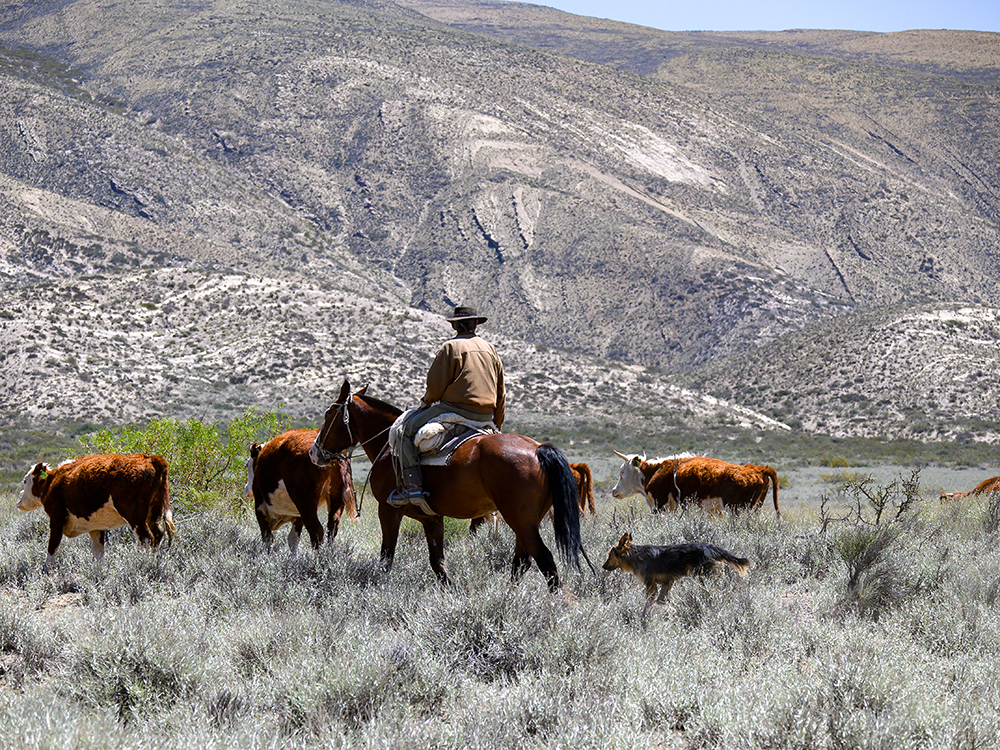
(991, 513)
(879, 530)
(844, 477)
(835, 461)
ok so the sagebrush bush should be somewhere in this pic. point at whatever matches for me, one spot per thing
(214, 643)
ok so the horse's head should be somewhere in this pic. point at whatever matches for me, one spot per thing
(336, 434)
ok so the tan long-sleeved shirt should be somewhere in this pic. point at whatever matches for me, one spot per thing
(467, 372)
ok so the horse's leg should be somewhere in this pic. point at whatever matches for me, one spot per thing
(389, 519)
(434, 531)
(531, 543)
(522, 561)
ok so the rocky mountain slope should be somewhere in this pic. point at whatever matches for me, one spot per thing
(211, 205)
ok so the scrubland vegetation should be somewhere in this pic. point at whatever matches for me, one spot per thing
(870, 621)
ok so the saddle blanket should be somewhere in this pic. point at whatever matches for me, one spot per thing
(437, 440)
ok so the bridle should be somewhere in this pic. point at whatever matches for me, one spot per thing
(319, 444)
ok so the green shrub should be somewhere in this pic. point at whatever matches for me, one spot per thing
(207, 461)
(835, 461)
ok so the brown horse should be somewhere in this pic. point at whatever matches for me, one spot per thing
(510, 473)
(584, 497)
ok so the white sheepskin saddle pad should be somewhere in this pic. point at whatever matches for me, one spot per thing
(437, 440)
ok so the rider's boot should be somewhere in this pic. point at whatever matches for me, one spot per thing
(411, 490)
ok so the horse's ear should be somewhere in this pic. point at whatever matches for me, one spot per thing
(345, 391)
(361, 390)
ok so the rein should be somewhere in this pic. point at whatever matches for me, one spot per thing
(360, 499)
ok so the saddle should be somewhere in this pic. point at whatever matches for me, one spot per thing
(438, 440)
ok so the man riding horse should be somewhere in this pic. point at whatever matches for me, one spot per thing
(466, 378)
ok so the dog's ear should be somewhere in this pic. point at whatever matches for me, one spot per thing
(624, 542)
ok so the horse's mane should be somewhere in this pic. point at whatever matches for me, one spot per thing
(380, 405)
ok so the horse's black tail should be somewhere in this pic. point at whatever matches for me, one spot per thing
(565, 510)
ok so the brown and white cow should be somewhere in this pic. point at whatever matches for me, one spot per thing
(91, 494)
(288, 487)
(987, 485)
(715, 484)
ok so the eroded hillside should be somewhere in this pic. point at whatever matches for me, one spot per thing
(312, 175)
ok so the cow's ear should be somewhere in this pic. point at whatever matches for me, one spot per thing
(637, 461)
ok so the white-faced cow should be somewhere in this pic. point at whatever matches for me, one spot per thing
(987, 485)
(716, 484)
(287, 487)
(92, 494)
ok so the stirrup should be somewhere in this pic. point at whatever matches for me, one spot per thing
(401, 498)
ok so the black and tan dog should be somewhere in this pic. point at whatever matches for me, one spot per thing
(661, 566)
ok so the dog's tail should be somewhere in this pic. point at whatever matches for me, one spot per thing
(565, 510)
(740, 564)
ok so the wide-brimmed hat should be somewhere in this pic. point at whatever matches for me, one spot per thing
(466, 313)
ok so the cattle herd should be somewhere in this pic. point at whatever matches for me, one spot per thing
(93, 494)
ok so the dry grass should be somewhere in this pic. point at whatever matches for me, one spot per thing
(215, 644)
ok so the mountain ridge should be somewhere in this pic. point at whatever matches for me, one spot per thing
(705, 209)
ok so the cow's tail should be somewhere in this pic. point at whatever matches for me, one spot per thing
(773, 475)
(168, 525)
(347, 489)
(585, 488)
(565, 509)
(159, 518)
